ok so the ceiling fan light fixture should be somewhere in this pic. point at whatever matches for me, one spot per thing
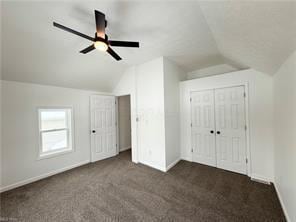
(100, 41)
(102, 46)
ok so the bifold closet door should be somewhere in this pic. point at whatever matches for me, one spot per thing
(230, 129)
(203, 126)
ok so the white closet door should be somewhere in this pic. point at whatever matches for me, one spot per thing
(103, 127)
(230, 129)
(202, 128)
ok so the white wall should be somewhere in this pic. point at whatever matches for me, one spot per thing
(285, 135)
(150, 106)
(260, 116)
(20, 130)
(0, 96)
(124, 122)
(1, 167)
(209, 71)
(172, 77)
(155, 85)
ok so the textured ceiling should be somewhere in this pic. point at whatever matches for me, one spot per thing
(35, 51)
(194, 34)
(256, 34)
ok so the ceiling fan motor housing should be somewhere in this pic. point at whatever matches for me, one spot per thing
(100, 39)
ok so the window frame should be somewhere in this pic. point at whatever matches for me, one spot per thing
(69, 130)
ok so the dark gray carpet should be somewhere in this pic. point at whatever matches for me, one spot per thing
(118, 190)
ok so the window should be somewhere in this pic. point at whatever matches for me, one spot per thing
(55, 131)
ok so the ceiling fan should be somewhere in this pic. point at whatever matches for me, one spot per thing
(100, 41)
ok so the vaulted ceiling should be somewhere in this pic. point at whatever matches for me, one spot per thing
(256, 34)
(194, 34)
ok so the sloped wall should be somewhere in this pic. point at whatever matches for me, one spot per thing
(210, 71)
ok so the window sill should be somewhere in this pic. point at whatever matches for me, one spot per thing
(54, 154)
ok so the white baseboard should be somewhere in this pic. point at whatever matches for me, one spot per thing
(124, 149)
(253, 177)
(172, 164)
(282, 202)
(260, 179)
(162, 169)
(189, 159)
(34, 179)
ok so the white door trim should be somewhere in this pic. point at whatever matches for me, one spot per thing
(117, 125)
(134, 125)
(248, 149)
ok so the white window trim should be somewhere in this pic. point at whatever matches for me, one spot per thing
(70, 137)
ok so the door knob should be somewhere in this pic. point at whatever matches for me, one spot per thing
(93, 131)
(218, 132)
(212, 131)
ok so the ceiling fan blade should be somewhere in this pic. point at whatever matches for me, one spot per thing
(100, 24)
(124, 43)
(73, 31)
(113, 54)
(88, 49)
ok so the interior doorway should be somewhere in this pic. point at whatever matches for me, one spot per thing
(124, 124)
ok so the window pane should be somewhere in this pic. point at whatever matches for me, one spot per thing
(55, 119)
(55, 140)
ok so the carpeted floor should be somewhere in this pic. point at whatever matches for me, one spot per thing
(118, 190)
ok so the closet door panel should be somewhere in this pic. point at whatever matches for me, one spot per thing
(202, 127)
(230, 129)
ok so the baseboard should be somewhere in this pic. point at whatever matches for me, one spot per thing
(260, 179)
(34, 179)
(124, 149)
(172, 164)
(254, 177)
(162, 169)
(189, 159)
(282, 202)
